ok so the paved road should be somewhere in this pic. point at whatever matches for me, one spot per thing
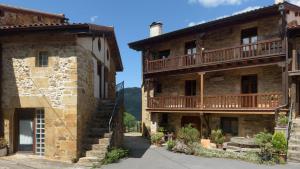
(144, 157)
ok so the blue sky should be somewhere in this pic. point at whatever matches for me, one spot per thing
(131, 19)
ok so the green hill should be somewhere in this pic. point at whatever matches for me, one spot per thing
(133, 102)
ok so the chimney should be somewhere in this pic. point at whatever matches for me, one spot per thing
(156, 29)
(279, 1)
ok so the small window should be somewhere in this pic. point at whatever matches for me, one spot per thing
(107, 55)
(190, 48)
(296, 14)
(39, 18)
(99, 44)
(42, 59)
(2, 13)
(99, 67)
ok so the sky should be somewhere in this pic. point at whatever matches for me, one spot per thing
(131, 19)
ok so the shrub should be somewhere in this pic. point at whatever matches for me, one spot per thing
(157, 138)
(264, 140)
(282, 120)
(170, 145)
(3, 143)
(188, 134)
(114, 155)
(279, 142)
(217, 136)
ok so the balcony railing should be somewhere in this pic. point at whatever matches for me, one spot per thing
(235, 101)
(210, 57)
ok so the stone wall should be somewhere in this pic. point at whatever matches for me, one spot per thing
(269, 80)
(25, 18)
(229, 36)
(53, 88)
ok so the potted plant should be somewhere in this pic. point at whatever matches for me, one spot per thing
(282, 121)
(3, 147)
(279, 143)
(218, 138)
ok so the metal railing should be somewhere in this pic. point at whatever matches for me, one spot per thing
(119, 101)
(289, 127)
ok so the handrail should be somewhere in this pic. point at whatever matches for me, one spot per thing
(289, 129)
(221, 55)
(119, 100)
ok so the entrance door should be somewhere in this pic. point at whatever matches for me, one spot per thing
(194, 121)
(249, 86)
(25, 130)
(190, 90)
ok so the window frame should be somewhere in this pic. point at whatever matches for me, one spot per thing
(40, 61)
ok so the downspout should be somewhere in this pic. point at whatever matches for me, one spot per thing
(284, 37)
(1, 112)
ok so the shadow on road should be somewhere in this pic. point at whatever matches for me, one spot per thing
(136, 144)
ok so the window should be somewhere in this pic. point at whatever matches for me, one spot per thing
(190, 87)
(42, 59)
(99, 44)
(190, 48)
(161, 55)
(229, 125)
(39, 18)
(249, 36)
(2, 13)
(164, 119)
(99, 72)
(107, 55)
(40, 132)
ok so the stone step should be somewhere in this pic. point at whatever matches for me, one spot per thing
(294, 155)
(89, 161)
(96, 153)
(294, 147)
(294, 141)
(295, 136)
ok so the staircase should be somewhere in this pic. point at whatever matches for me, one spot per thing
(98, 141)
(294, 142)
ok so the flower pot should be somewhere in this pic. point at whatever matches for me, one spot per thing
(282, 158)
(3, 152)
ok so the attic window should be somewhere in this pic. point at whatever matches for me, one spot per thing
(107, 55)
(296, 13)
(99, 44)
(2, 13)
(39, 18)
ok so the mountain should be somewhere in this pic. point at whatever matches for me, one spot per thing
(133, 102)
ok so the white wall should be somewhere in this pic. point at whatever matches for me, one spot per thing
(91, 45)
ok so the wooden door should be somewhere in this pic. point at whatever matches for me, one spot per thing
(190, 90)
(249, 86)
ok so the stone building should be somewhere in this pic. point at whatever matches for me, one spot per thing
(229, 74)
(57, 84)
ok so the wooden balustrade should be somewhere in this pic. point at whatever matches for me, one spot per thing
(261, 48)
(236, 101)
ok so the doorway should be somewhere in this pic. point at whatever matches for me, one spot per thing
(190, 91)
(29, 132)
(24, 130)
(249, 86)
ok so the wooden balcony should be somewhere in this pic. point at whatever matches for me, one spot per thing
(259, 101)
(253, 51)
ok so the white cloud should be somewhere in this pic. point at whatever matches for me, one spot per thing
(296, 2)
(250, 8)
(215, 3)
(93, 18)
(195, 23)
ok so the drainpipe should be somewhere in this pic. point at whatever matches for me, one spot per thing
(1, 112)
(284, 37)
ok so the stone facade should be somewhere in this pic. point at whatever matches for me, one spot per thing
(216, 82)
(16, 16)
(64, 89)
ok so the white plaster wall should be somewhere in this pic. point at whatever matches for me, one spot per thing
(91, 45)
(291, 17)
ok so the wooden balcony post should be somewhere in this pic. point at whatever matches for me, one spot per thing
(201, 88)
(295, 61)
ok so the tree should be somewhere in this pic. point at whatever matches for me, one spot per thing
(129, 121)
